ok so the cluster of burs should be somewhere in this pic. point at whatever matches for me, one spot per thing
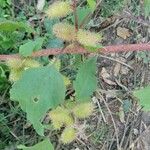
(68, 115)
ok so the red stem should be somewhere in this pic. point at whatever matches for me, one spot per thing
(80, 50)
(75, 15)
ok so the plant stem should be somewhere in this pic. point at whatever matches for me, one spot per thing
(75, 15)
(80, 50)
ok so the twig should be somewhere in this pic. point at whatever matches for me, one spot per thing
(81, 50)
(113, 59)
(100, 109)
(113, 121)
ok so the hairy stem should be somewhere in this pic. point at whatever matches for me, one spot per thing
(80, 50)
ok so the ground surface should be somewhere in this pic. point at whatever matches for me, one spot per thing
(118, 120)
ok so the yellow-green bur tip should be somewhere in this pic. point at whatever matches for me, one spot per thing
(68, 135)
(17, 66)
(15, 75)
(14, 63)
(83, 110)
(16, 69)
(59, 9)
(59, 117)
(87, 38)
(64, 31)
(31, 63)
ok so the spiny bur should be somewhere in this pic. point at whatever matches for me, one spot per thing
(83, 110)
(68, 135)
(14, 63)
(30, 63)
(17, 66)
(15, 75)
(60, 116)
(64, 31)
(66, 81)
(87, 38)
(59, 9)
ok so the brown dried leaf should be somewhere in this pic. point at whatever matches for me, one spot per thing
(106, 77)
(121, 115)
(123, 32)
(117, 69)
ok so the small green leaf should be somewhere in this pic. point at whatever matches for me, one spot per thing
(44, 145)
(10, 26)
(48, 24)
(82, 13)
(38, 90)
(92, 4)
(31, 46)
(38, 43)
(2, 72)
(3, 3)
(26, 49)
(55, 43)
(147, 8)
(144, 97)
(86, 82)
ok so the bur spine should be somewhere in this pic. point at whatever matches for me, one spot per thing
(59, 117)
(64, 31)
(68, 135)
(83, 110)
(87, 38)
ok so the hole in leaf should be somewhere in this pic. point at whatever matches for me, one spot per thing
(35, 100)
(51, 57)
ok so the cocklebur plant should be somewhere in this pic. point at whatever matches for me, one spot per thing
(69, 32)
(41, 90)
(44, 87)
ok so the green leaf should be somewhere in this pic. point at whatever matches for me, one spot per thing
(44, 145)
(2, 72)
(55, 43)
(82, 13)
(10, 26)
(86, 82)
(38, 90)
(144, 97)
(26, 49)
(147, 8)
(38, 43)
(31, 46)
(92, 4)
(48, 24)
